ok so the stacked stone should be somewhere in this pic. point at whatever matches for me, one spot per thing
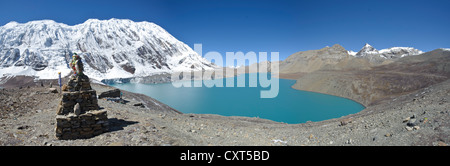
(86, 99)
(77, 113)
(86, 125)
(77, 83)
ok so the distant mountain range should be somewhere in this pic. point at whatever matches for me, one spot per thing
(337, 57)
(375, 82)
(120, 48)
(115, 48)
(374, 55)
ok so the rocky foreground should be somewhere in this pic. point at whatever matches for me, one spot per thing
(421, 117)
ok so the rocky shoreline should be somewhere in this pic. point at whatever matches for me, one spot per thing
(28, 118)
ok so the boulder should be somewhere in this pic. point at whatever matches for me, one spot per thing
(406, 119)
(409, 128)
(346, 121)
(139, 105)
(110, 93)
(412, 123)
(52, 90)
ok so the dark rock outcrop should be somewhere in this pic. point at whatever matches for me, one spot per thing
(110, 93)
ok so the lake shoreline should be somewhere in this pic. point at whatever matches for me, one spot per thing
(379, 124)
(320, 106)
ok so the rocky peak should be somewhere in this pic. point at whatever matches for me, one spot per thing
(379, 56)
(337, 47)
(367, 50)
(334, 52)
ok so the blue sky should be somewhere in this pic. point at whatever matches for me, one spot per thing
(261, 25)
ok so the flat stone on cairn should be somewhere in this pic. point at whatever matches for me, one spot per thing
(78, 114)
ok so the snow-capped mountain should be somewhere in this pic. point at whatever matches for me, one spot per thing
(399, 52)
(367, 50)
(370, 53)
(115, 48)
(375, 55)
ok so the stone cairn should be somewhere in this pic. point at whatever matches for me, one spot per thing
(78, 114)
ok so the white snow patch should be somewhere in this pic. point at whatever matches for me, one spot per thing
(352, 53)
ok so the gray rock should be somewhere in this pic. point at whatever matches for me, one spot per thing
(52, 90)
(139, 105)
(23, 127)
(77, 109)
(346, 121)
(406, 119)
(349, 141)
(412, 123)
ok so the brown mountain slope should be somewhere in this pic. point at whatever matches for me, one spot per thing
(335, 58)
(370, 86)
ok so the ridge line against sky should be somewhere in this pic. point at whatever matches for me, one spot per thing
(262, 25)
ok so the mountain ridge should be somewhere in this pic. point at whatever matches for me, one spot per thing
(114, 48)
(378, 56)
(337, 58)
(380, 82)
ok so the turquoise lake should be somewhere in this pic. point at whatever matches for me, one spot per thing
(290, 106)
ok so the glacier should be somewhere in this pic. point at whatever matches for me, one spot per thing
(115, 48)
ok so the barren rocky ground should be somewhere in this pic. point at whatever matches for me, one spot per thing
(420, 117)
(368, 86)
